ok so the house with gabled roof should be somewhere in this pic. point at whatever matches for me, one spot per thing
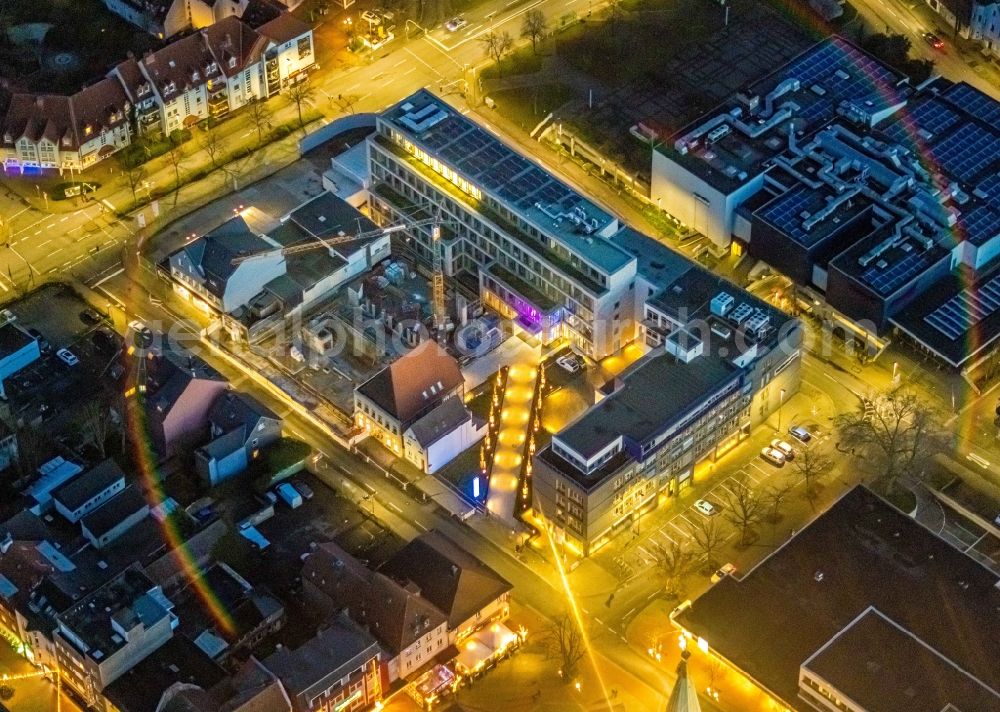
(74, 132)
(402, 393)
(240, 428)
(466, 590)
(409, 628)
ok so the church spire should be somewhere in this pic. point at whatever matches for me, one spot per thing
(683, 698)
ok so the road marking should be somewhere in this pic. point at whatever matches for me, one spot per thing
(394, 508)
(982, 462)
(686, 535)
(38, 232)
(422, 527)
(64, 218)
(43, 244)
(408, 71)
(402, 61)
(4, 287)
(421, 60)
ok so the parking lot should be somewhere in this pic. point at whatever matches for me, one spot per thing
(52, 389)
(678, 520)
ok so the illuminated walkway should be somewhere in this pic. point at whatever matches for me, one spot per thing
(514, 424)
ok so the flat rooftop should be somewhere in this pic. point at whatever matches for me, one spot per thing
(860, 553)
(656, 390)
(813, 85)
(12, 339)
(510, 178)
(790, 212)
(881, 666)
(126, 598)
(899, 260)
(957, 317)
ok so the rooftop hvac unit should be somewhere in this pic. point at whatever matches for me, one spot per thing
(757, 323)
(718, 133)
(741, 313)
(722, 303)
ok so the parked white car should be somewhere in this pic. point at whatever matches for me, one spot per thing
(455, 24)
(774, 456)
(705, 507)
(568, 363)
(67, 357)
(787, 450)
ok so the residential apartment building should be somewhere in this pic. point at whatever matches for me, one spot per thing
(205, 74)
(109, 631)
(410, 629)
(65, 133)
(335, 671)
(543, 255)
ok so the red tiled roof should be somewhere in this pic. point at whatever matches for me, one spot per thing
(184, 64)
(36, 117)
(132, 79)
(414, 381)
(233, 44)
(284, 28)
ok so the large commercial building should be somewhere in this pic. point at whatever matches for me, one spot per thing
(720, 362)
(540, 253)
(561, 267)
(882, 199)
(863, 610)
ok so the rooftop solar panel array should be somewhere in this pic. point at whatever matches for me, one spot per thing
(990, 188)
(888, 279)
(929, 115)
(785, 211)
(966, 309)
(981, 223)
(974, 102)
(488, 163)
(967, 151)
(844, 72)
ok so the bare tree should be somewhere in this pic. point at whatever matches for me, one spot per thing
(564, 641)
(213, 145)
(260, 116)
(672, 561)
(96, 425)
(896, 431)
(534, 28)
(301, 93)
(707, 536)
(175, 157)
(811, 464)
(744, 508)
(132, 177)
(497, 46)
(774, 497)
